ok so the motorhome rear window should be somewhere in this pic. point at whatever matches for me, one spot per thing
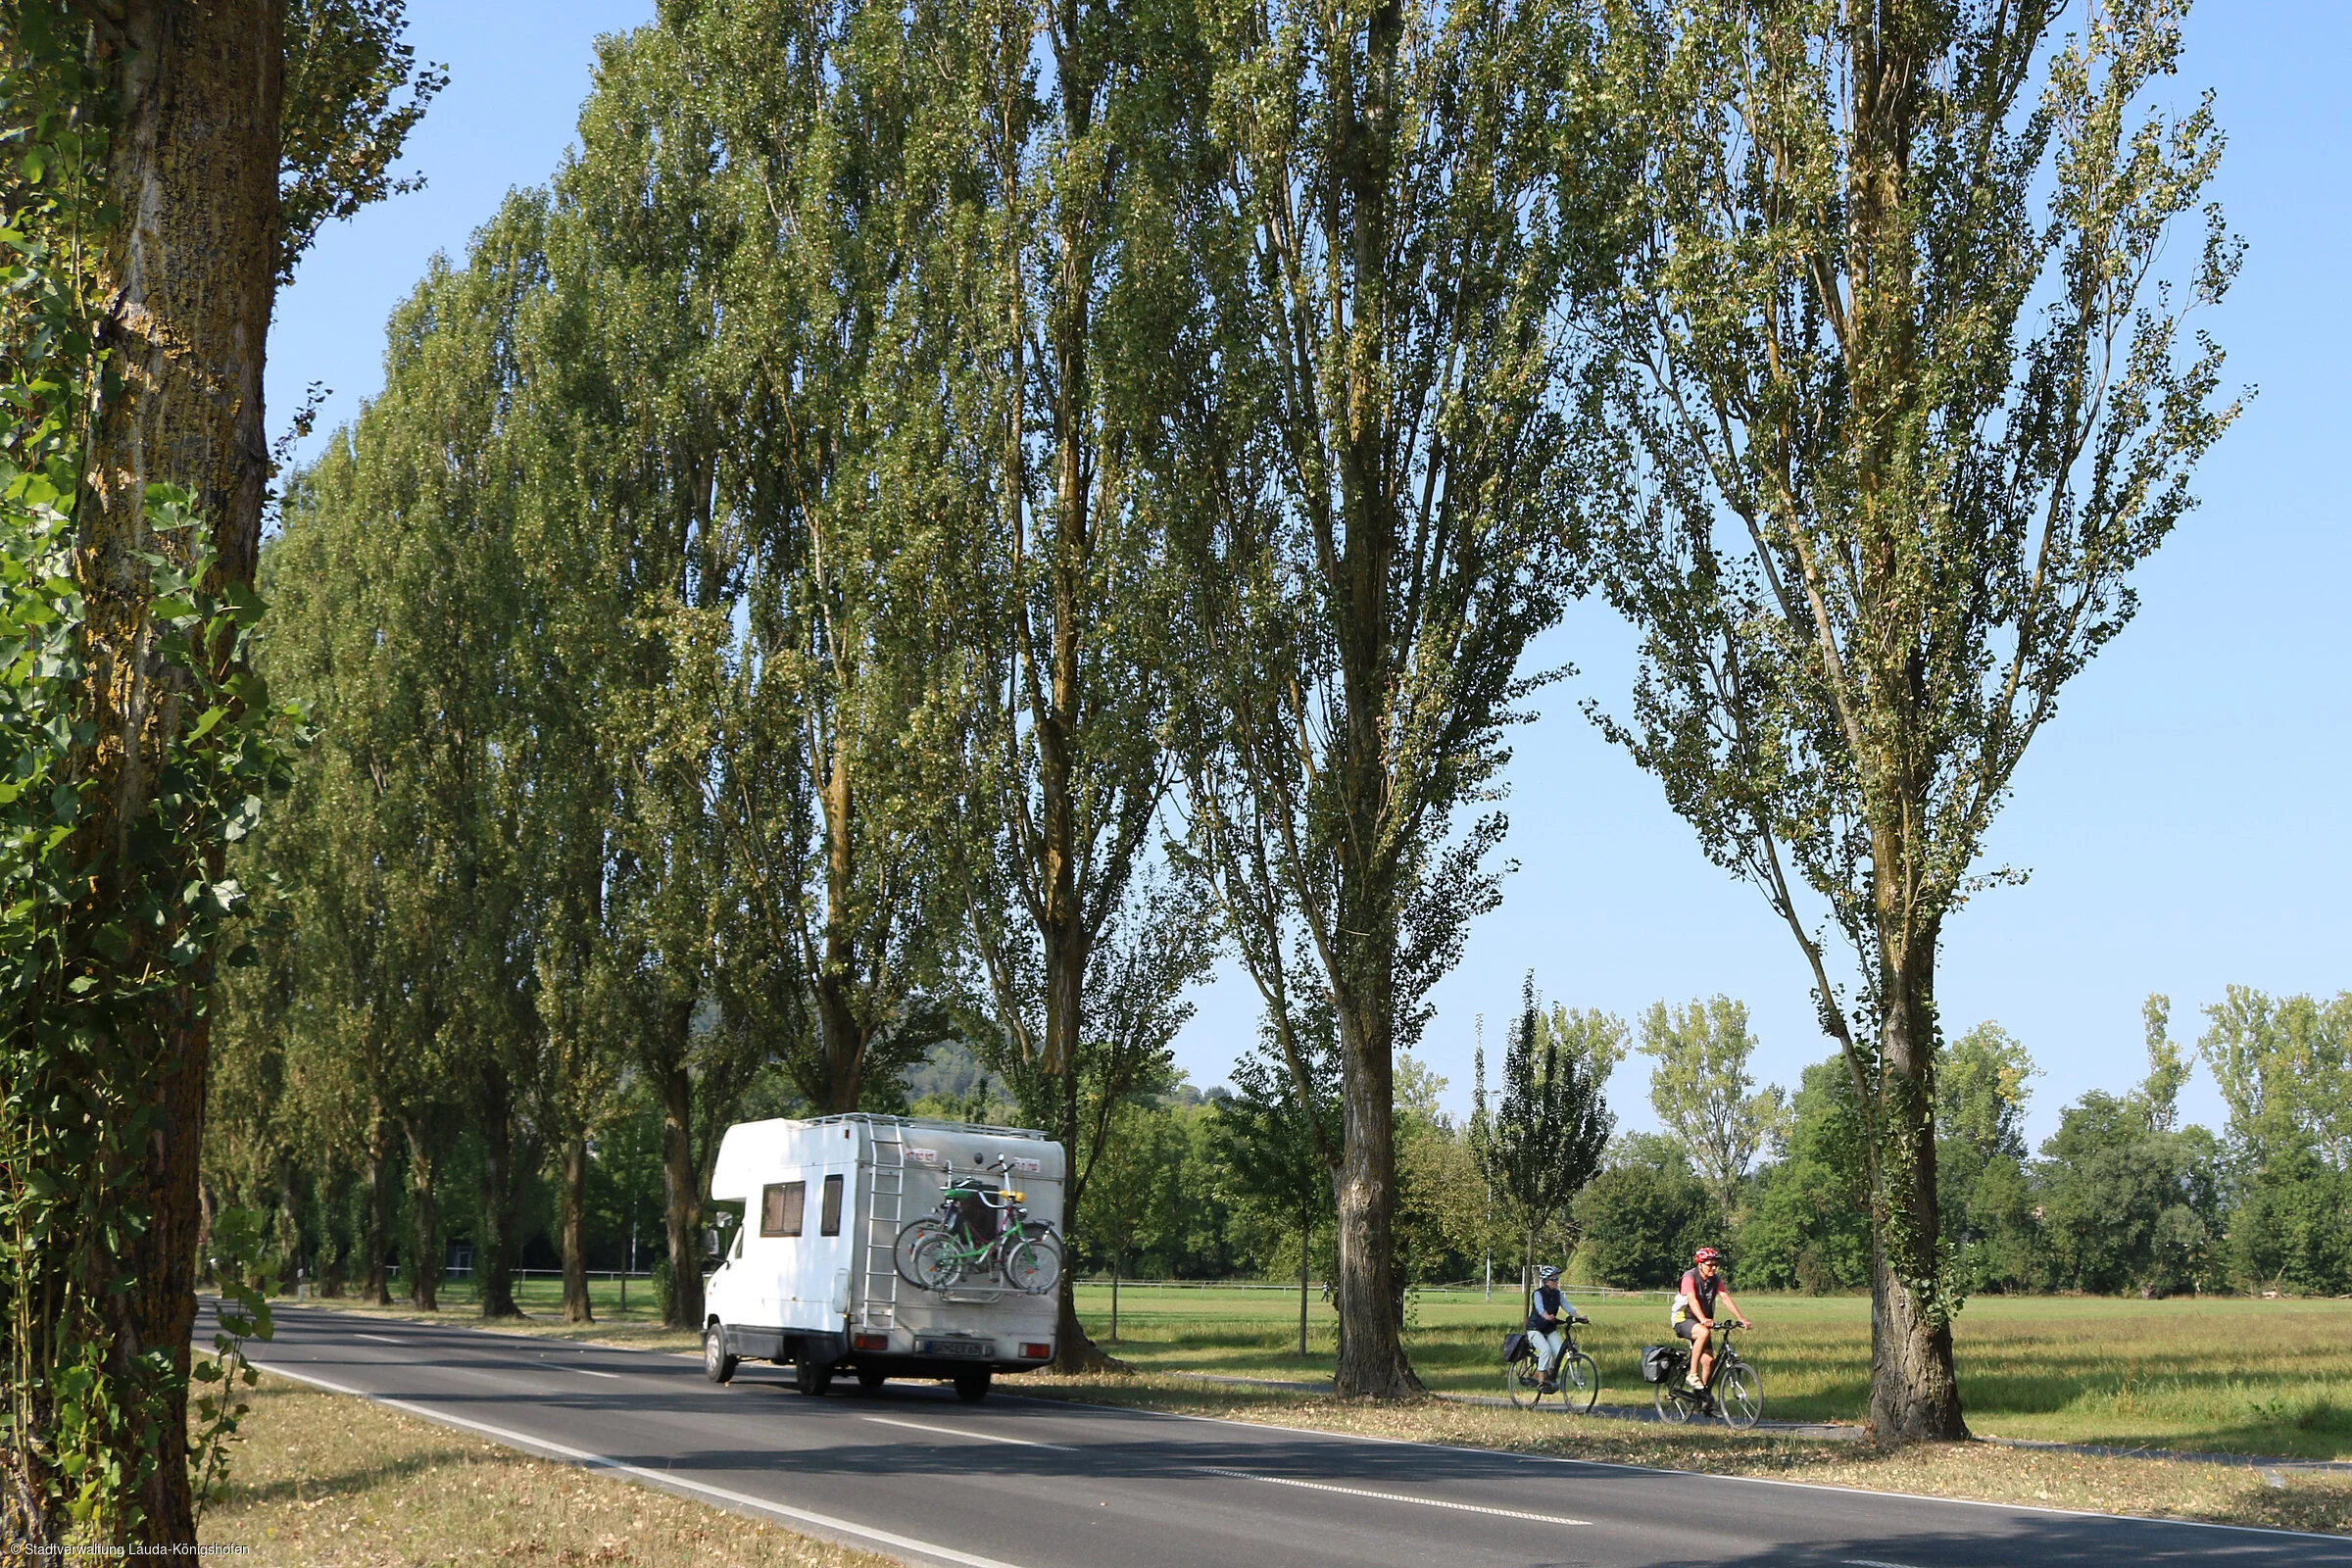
(829, 1218)
(781, 1206)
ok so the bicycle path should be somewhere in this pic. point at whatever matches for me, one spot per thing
(1045, 1484)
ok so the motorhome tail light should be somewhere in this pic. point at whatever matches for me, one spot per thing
(870, 1342)
(1036, 1353)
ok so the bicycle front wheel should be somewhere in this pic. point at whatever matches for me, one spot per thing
(1673, 1408)
(1740, 1395)
(1580, 1381)
(936, 1263)
(1523, 1381)
(1033, 1267)
(911, 1236)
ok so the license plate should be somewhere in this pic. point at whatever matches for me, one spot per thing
(952, 1348)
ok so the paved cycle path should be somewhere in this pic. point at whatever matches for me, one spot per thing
(914, 1474)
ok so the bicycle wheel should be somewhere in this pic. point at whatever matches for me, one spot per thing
(911, 1236)
(1673, 1408)
(1580, 1381)
(1740, 1395)
(1031, 1266)
(937, 1262)
(1523, 1381)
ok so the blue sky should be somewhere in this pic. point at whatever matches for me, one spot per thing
(2184, 818)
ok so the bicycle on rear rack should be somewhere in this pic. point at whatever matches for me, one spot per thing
(1574, 1383)
(979, 1228)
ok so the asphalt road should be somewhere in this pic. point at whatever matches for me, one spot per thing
(1038, 1484)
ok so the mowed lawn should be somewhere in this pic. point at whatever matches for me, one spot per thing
(2228, 1375)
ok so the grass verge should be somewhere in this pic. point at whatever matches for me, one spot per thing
(329, 1479)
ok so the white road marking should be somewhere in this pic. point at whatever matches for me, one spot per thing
(959, 1432)
(380, 1338)
(589, 1372)
(1391, 1497)
(669, 1479)
(1872, 1562)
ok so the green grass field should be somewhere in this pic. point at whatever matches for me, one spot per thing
(2224, 1375)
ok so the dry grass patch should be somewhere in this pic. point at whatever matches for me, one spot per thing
(2285, 1499)
(324, 1478)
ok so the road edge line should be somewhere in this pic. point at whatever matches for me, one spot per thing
(668, 1481)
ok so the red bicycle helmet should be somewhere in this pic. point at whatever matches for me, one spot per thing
(1706, 1255)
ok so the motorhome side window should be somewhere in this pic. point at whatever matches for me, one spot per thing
(781, 1206)
(829, 1220)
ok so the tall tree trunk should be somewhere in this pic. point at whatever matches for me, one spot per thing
(1914, 1387)
(681, 1197)
(494, 1256)
(1306, 1237)
(187, 274)
(289, 1224)
(1074, 1349)
(576, 1308)
(425, 1220)
(1364, 938)
(376, 1285)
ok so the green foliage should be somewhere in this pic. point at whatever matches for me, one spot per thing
(237, 1242)
(1276, 1135)
(2126, 1206)
(1807, 1225)
(1645, 1215)
(1702, 1092)
(1984, 1193)
(341, 130)
(1548, 1132)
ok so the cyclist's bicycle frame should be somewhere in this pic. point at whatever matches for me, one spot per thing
(1733, 1391)
(1574, 1379)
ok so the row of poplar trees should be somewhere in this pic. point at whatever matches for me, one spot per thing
(939, 514)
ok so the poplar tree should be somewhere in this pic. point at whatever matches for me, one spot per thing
(1907, 393)
(1373, 456)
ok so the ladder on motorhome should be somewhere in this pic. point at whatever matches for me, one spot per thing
(879, 1307)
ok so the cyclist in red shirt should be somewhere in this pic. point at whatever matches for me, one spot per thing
(1694, 1317)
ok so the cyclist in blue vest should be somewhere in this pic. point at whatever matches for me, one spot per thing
(1548, 1315)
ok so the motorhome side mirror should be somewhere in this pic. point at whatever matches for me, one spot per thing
(714, 1249)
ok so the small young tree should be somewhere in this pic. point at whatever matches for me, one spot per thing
(1548, 1137)
(1702, 1091)
(1902, 405)
(1278, 1147)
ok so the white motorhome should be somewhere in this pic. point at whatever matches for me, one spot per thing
(811, 1215)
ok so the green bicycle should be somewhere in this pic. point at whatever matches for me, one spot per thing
(979, 1228)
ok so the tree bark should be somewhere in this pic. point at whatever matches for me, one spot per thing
(681, 1195)
(1914, 1387)
(375, 1284)
(1306, 1237)
(494, 1256)
(576, 1308)
(188, 276)
(424, 1221)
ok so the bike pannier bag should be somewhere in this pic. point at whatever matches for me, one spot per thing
(1657, 1362)
(1514, 1345)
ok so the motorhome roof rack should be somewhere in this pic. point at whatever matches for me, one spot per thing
(928, 1124)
